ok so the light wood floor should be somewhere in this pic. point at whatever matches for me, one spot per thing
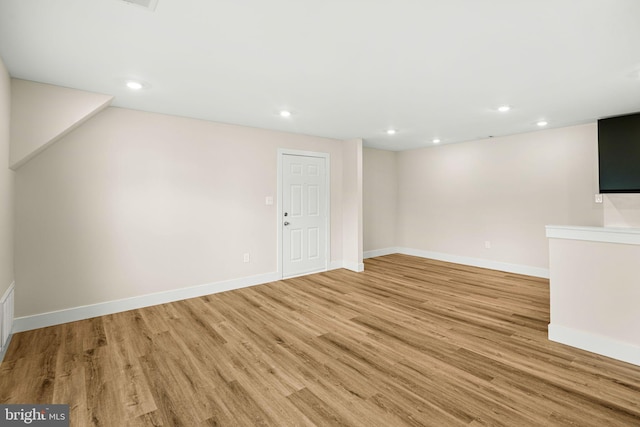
(408, 342)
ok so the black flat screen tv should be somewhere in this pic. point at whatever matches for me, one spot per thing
(619, 154)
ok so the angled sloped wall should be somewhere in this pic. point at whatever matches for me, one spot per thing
(41, 114)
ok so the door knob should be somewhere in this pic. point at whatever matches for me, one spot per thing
(286, 223)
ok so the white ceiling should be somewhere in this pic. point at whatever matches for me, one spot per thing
(345, 68)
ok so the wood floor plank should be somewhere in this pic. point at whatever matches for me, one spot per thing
(408, 342)
(102, 399)
(70, 381)
(130, 383)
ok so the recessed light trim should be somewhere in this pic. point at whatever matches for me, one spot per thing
(391, 131)
(504, 108)
(134, 85)
(285, 113)
(436, 140)
(542, 123)
(147, 4)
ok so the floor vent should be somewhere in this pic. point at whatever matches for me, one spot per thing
(6, 317)
(147, 4)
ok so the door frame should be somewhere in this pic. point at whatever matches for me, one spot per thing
(327, 159)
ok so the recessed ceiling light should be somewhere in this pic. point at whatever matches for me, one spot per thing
(285, 113)
(504, 108)
(542, 123)
(391, 131)
(436, 141)
(147, 4)
(133, 85)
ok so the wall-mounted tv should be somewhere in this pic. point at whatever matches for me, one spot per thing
(619, 154)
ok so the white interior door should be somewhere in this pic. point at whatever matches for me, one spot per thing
(304, 219)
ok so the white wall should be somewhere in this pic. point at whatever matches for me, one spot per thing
(6, 184)
(454, 198)
(133, 203)
(380, 194)
(622, 210)
(352, 205)
(42, 113)
(594, 290)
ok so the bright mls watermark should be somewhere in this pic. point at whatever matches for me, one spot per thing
(34, 415)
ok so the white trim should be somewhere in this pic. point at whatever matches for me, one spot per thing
(358, 267)
(7, 292)
(279, 214)
(380, 252)
(285, 151)
(36, 321)
(6, 318)
(629, 236)
(595, 343)
(479, 262)
(306, 273)
(458, 259)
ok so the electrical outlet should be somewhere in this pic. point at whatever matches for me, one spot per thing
(246, 258)
(487, 244)
(598, 198)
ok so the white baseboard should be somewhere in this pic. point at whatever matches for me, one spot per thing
(475, 262)
(380, 252)
(353, 266)
(42, 320)
(358, 267)
(36, 321)
(594, 343)
(479, 262)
